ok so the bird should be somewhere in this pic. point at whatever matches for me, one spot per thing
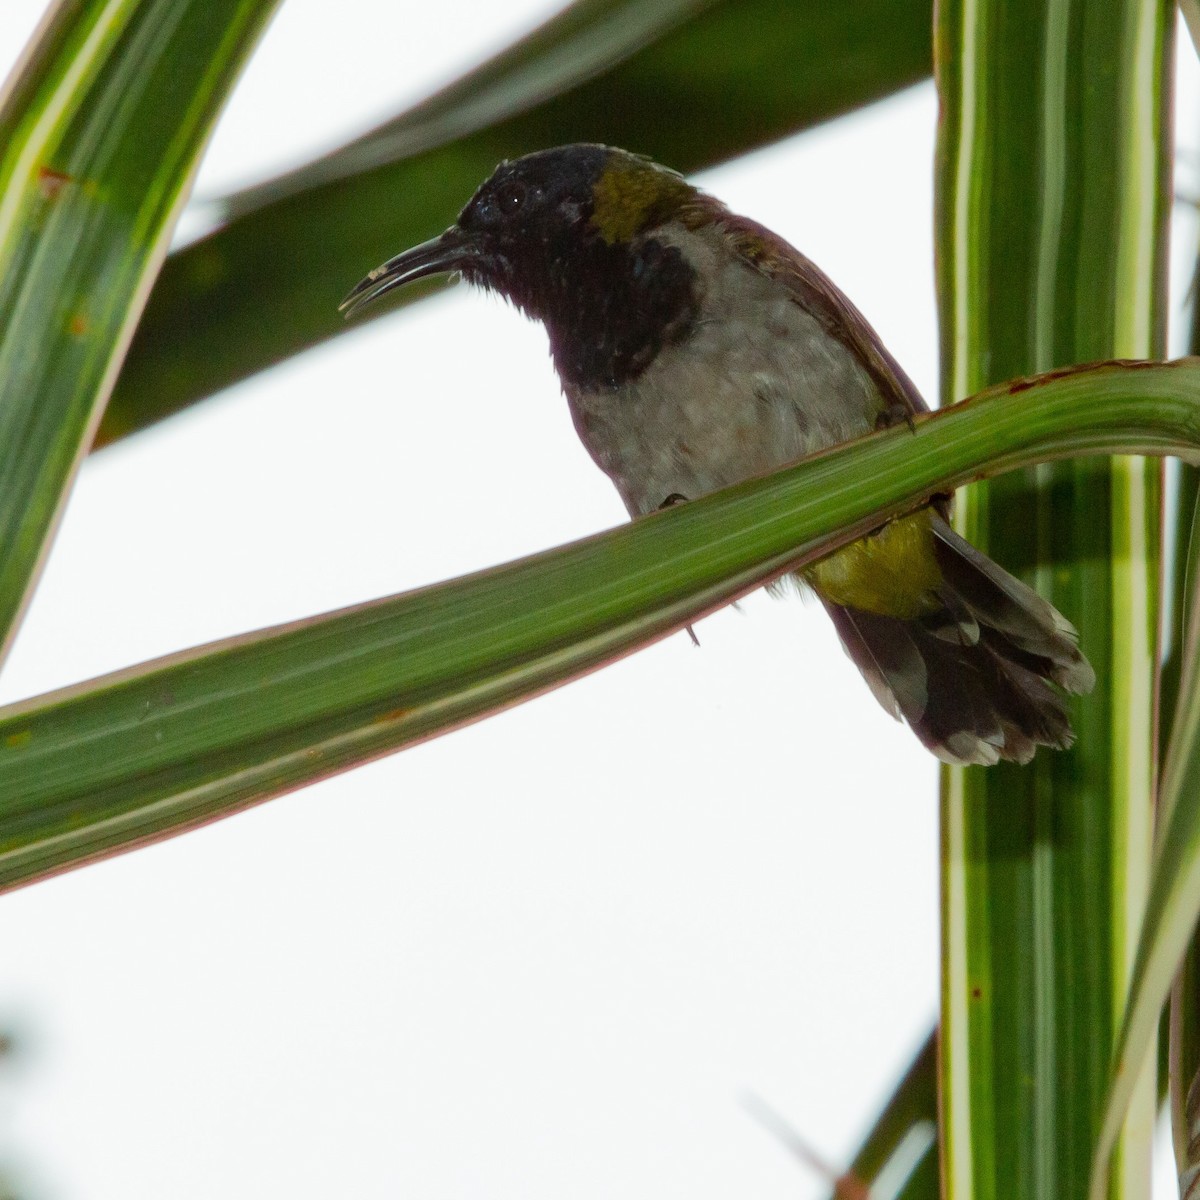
(696, 348)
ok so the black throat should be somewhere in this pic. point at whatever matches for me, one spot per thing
(609, 309)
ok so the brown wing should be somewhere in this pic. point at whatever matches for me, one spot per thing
(819, 295)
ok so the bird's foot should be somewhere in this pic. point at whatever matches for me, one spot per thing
(896, 414)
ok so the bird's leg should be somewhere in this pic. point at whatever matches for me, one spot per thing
(673, 499)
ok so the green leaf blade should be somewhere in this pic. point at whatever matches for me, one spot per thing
(160, 748)
(1171, 913)
(1054, 136)
(102, 127)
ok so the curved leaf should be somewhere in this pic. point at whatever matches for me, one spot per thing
(737, 74)
(151, 751)
(586, 39)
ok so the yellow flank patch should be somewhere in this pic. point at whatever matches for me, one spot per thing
(630, 194)
(892, 572)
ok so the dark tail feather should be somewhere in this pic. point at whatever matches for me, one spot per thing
(972, 679)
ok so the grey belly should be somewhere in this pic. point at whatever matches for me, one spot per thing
(743, 396)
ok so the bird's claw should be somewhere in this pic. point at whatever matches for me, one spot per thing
(894, 414)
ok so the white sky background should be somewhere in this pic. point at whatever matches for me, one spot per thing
(548, 954)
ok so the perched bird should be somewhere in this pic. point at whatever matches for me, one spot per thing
(696, 349)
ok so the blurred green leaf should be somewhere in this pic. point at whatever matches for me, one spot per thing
(710, 80)
(898, 1160)
(100, 131)
(157, 749)
(587, 39)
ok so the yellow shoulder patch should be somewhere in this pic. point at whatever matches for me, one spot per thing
(892, 572)
(631, 194)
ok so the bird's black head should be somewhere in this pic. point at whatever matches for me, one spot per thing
(546, 194)
(569, 235)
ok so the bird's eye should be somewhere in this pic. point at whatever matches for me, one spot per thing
(510, 197)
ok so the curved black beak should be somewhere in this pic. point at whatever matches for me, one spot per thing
(448, 252)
